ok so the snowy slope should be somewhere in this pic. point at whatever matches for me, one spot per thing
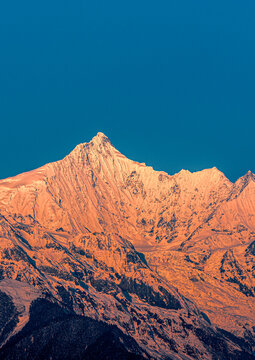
(112, 239)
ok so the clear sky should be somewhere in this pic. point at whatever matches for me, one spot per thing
(171, 83)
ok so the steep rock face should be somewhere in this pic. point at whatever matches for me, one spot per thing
(55, 333)
(103, 277)
(97, 188)
(73, 229)
(215, 264)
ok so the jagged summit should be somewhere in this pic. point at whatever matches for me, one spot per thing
(72, 228)
(245, 179)
(205, 176)
(249, 175)
(100, 143)
(100, 139)
(100, 136)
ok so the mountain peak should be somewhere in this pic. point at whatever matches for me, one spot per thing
(249, 176)
(97, 142)
(100, 136)
(213, 172)
(100, 139)
(243, 182)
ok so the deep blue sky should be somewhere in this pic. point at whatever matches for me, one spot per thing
(171, 83)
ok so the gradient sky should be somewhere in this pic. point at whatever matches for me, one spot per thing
(171, 83)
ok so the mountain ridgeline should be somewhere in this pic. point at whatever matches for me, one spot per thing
(126, 262)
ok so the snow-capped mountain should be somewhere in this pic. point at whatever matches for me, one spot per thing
(141, 263)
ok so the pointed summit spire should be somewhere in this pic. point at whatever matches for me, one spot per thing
(100, 140)
(243, 182)
(100, 143)
(249, 173)
(100, 137)
(247, 177)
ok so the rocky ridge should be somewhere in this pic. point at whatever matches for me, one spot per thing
(109, 238)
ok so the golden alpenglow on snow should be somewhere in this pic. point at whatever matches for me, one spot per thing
(116, 260)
